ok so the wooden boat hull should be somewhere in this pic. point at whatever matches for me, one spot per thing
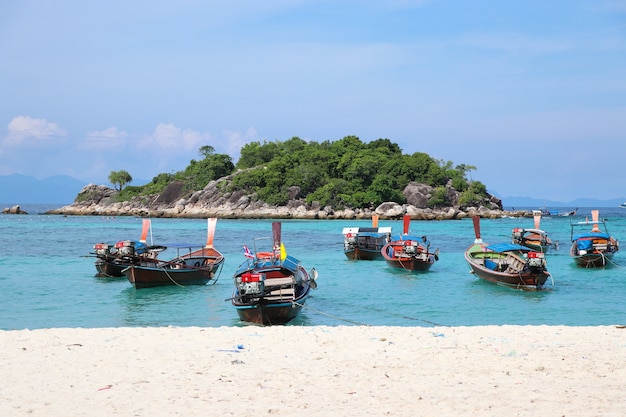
(535, 239)
(271, 287)
(592, 248)
(365, 243)
(146, 277)
(591, 260)
(286, 287)
(110, 269)
(411, 264)
(531, 280)
(268, 312)
(394, 253)
(360, 254)
(193, 267)
(161, 274)
(112, 265)
(508, 264)
(527, 282)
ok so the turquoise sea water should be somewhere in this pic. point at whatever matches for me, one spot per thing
(47, 280)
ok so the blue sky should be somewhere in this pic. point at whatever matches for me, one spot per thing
(532, 93)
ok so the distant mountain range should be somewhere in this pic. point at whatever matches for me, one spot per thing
(62, 190)
(22, 189)
(529, 202)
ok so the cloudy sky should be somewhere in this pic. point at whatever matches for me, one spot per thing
(531, 92)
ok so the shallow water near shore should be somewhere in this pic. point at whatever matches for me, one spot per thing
(49, 281)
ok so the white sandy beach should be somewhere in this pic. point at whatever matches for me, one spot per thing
(315, 371)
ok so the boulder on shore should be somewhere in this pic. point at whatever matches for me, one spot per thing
(16, 209)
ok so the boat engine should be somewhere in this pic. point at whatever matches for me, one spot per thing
(517, 235)
(125, 248)
(251, 284)
(102, 249)
(410, 247)
(536, 260)
(349, 241)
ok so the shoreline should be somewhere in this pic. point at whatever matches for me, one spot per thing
(285, 213)
(315, 371)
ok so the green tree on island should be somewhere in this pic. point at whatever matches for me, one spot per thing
(119, 179)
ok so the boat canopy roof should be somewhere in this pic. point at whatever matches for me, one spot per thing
(257, 265)
(407, 237)
(369, 231)
(372, 234)
(537, 231)
(184, 245)
(592, 235)
(508, 247)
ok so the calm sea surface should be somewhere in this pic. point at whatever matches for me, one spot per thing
(48, 280)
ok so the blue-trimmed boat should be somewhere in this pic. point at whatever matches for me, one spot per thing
(271, 287)
(593, 248)
(507, 264)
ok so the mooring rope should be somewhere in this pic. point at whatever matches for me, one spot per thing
(221, 268)
(170, 277)
(365, 324)
(330, 315)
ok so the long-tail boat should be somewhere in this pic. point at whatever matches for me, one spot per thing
(271, 287)
(365, 243)
(113, 259)
(593, 248)
(192, 265)
(535, 238)
(408, 251)
(507, 264)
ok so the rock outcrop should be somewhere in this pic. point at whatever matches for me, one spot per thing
(215, 201)
(13, 210)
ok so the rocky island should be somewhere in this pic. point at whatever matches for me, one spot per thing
(212, 201)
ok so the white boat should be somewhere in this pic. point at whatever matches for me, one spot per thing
(623, 205)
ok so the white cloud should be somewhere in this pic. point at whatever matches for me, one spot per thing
(168, 136)
(111, 138)
(22, 128)
(235, 141)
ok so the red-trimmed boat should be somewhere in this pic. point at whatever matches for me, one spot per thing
(271, 287)
(365, 243)
(507, 264)
(113, 259)
(193, 265)
(594, 248)
(409, 252)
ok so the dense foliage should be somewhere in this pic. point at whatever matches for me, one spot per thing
(347, 172)
(344, 173)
